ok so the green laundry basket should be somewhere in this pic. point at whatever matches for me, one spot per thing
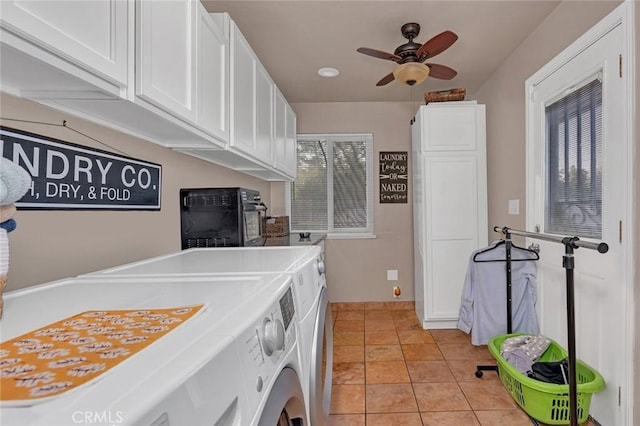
(547, 402)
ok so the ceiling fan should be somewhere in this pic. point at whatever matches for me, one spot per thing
(410, 57)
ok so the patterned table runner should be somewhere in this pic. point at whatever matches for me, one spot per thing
(71, 352)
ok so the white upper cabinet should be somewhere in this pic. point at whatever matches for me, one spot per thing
(243, 93)
(264, 115)
(171, 73)
(284, 145)
(165, 57)
(213, 73)
(451, 127)
(280, 131)
(251, 100)
(87, 39)
(263, 123)
(290, 144)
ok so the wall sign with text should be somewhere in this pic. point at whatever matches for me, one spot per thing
(69, 176)
(393, 177)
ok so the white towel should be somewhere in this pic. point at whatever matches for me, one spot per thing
(14, 181)
(4, 252)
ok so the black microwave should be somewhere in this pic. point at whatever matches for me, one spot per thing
(221, 217)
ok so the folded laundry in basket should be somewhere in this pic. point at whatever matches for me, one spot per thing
(519, 359)
(522, 351)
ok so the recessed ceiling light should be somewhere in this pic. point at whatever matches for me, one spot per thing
(328, 72)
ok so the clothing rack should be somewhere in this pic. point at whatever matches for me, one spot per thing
(568, 263)
(508, 259)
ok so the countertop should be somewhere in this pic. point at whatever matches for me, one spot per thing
(295, 240)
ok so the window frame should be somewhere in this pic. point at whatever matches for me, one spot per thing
(341, 233)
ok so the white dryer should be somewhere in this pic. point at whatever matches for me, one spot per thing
(270, 361)
(234, 363)
(305, 265)
(316, 339)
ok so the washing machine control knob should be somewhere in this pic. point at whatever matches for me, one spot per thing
(321, 266)
(273, 336)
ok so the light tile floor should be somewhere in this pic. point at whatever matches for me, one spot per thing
(387, 370)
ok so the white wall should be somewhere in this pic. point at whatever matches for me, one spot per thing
(357, 269)
(504, 95)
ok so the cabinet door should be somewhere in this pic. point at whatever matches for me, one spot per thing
(290, 144)
(243, 93)
(264, 116)
(165, 74)
(90, 34)
(452, 206)
(279, 131)
(213, 75)
(284, 143)
(450, 128)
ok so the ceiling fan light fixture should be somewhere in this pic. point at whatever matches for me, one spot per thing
(411, 73)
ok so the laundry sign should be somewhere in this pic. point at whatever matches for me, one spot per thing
(69, 176)
(393, 176)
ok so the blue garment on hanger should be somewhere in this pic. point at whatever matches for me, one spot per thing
(483, 307)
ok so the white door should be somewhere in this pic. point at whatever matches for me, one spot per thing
(576, 188)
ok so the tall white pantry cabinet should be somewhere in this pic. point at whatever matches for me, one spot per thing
(450, 205)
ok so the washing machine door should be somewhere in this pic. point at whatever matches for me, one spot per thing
(285, 403)
(321, 364)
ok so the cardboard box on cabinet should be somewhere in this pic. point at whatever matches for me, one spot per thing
(277, 226)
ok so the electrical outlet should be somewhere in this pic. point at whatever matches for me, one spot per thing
(397, 292)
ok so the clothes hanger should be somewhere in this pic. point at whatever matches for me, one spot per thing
(498, 244)
(536, 256)
(486, 250)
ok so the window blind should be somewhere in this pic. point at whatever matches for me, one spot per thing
(333, 191)
(573, 202)
(309, 193)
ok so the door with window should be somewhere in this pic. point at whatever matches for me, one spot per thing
(577, 185)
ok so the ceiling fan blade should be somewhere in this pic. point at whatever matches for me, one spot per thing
(379, 54)
(437, 45)
(441, 71)
(386, 79)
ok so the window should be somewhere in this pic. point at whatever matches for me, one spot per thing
(333, 191)
(574, 163)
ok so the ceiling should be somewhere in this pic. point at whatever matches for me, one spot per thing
(293, 39)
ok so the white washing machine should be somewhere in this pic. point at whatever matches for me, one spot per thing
(306, 267)
(233, 363)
